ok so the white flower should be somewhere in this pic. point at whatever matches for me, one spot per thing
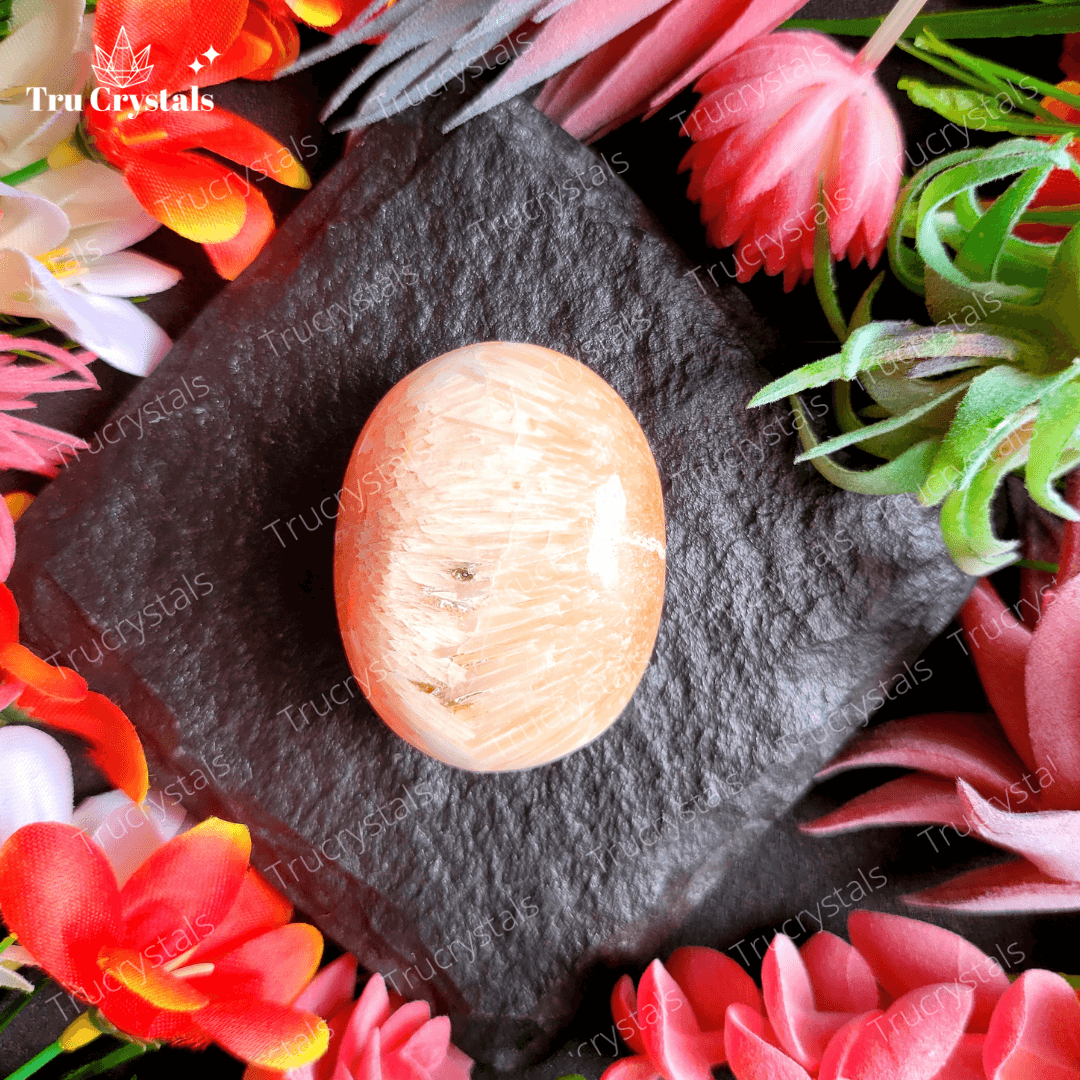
(36, 785)
(49, 46)
(62, 235)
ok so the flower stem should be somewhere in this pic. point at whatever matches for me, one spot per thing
(18, 1005)
(1069, 563)
(125, 1053)
(25, 173)
(888, 34)
(37, 1062)
(9, 940)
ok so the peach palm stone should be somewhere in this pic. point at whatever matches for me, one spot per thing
(499, 571)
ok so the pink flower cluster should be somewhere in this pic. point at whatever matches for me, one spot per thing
(905, 1001)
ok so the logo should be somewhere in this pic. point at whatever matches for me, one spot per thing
(122, 68)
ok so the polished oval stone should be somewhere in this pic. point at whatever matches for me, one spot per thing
(499, 556)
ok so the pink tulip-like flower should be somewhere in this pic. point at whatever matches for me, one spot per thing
(379, 1036)
(1012, 779)
(904, 1001)
(793, 132)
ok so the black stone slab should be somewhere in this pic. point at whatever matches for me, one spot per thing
(787, 600)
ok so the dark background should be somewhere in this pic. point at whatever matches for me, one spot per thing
(787, 871)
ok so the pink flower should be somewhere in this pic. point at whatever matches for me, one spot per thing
(380, 1036)
(904, 1001)
(1012, 779)
(675, 1020)
(793, 131)
(24, 444)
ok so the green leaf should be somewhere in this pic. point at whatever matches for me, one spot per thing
(981, 253)
(906, 473)
(885, 427)
(1055, 426)
(907, 264)
(964, 106)
(991, 411)
(1020, 20)
(825, 283)
(862, 316)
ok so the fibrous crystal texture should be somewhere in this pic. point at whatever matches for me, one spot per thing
(499, 569)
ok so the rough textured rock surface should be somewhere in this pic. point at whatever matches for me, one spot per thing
(186, 570)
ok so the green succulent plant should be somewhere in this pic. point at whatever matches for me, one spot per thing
(957, 406)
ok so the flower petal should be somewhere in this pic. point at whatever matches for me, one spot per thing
(749, 1054)
(965, 745)
(1011, 886)
(127, 273)
(1000, 661)
(37, 782)
(637, 1067)
(150, 981)
(59, 896)
(1050, 839)
(232, 257)
(114, 743)
(673, 1039)
(843, 981)
(834, 1063)
(625, 1013)
(332, 988)
(906, 954)
(114, 329)
(179, 189)
(257, 909)
(1035, 1031)
(371, 1010)
(187, 886)
(274, 966)
(909, 800)
(1052, 683)
(915, 1038)
(801, 1029)
(30, 223)
(61, 684)
(711, 982)
(127, 832)
(265, 1033)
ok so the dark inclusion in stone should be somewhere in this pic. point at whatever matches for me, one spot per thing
(787, 600)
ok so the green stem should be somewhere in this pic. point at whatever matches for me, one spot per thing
(1020, 20)
(19, 175)
(18, 1005)
(7, 942)
(26, 331)
(127, 1052)
(39, 1061)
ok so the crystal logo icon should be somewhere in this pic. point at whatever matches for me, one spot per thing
(122, 68)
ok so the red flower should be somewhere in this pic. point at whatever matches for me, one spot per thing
(195, 948)
(58, 697)
(1012, 780)
(378, 1036)
(905, 1001)
(793, 131)
(152, 143)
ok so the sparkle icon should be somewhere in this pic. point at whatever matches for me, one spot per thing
(211, 55)
(122, 68)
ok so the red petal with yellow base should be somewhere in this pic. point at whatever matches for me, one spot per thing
(58, 895)
(177, 31)
(194, 196)
(274, 966)
(266, 1033)
(256, 909)
(187, 886)
(114, 743)
(234, 256)
(222, 133)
